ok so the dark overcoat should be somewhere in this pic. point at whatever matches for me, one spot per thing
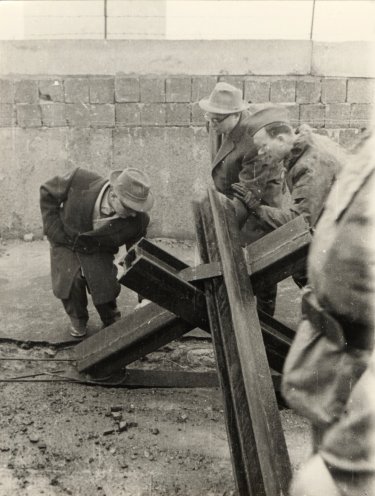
(237, 161)
(67, 204)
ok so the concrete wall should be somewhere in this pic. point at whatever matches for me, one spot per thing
(106, 105)
(318, 20)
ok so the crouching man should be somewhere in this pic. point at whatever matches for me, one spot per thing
(86, 218)
(311, 164)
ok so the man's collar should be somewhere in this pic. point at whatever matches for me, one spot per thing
(105, 207)
(239, 129)
(300, 145)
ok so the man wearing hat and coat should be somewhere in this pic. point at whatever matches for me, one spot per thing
(237, 163)
(86, 218)
(311, 163)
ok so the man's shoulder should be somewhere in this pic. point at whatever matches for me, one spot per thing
(242, 135)
(80, 173)
(246, 121)
(83, 178)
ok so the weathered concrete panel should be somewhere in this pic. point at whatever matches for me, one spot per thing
(7, 115)
(346, 59)
(53, 114)
(29, 157)
(7, 91)
(40, 19)
(334, 90)
(239, 20)
(136, 19)
(308, 90)
(337, 115)
(90, 148)
(102, 90)
(257, 91)
(51, 90)
(178, 163)
(82, 57)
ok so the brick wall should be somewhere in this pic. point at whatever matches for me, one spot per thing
(50, 125)
(123, 101)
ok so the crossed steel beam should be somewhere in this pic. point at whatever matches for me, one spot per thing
(179, 300)
(218, 297)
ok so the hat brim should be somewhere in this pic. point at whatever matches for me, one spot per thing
(207, 107)
(145, 206)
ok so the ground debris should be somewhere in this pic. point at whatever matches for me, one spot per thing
(123, 426)
(33, 437)
(116, 408)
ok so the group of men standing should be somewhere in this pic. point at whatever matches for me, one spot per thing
(87, 218)
(259, 153)
(329, 373)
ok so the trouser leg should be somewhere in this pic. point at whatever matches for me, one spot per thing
(109, 313)
(252, 231)
(266, 299)
(76, 305)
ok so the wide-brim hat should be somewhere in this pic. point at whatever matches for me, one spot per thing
(269, 115)
(224, 99)
(132, 186)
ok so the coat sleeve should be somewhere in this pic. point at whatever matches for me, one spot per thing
(301, 183)
(349, 446)
(143, 223)
(53, 193)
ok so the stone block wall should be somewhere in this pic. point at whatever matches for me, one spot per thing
(124, 101)
(51, 125)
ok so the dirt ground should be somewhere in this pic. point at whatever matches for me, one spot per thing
(59, 437)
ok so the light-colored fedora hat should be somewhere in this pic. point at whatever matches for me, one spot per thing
(224, 99)
(132, 186)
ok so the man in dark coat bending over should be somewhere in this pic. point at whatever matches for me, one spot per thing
(86, 219)
(237, 163)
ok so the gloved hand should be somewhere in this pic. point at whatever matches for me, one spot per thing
(247, 197)
(127, 260)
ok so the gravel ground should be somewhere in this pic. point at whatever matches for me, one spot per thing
(62, 438)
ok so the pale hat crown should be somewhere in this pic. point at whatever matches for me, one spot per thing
(224, 99)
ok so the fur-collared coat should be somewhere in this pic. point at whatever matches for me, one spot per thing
(311, 168)
(67, 204)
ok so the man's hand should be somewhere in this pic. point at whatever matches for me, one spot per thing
(246, 196)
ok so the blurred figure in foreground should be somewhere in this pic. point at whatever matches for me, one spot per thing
(329, 374)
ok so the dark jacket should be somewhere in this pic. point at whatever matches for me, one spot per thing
(67, 205)
(311, 168)
(237, 161)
